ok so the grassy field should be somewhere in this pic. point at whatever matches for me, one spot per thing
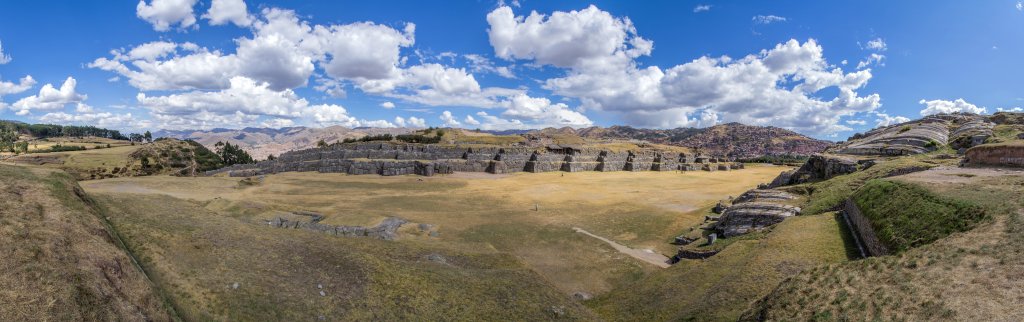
(971, 275)
(87, 142)
(163, 156)
(507, 240)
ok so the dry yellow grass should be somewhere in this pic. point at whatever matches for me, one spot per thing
(488, 218)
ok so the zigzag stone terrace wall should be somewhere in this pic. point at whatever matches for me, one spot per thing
(391, 159)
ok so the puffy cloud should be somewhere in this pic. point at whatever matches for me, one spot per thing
(1010, 109)
(50, 98)
(769, 19)
(244, 95)
(877, 44)
(387, 105)
(779, 86)
(362, 51)
(285, 51)
(540, 111)
(886, 120)
(23, 84)
(1020, 6)
(448, 119)
(471, 121)
(164, 14)
(152, 50)
(588, 37)
(330, 114)
(412, 121)
(4, 58)
(101, 119)
(224, 11)
(701, 8)
(245, 102)
(942, 106)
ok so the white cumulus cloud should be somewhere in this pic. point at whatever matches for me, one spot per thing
(943, 106)
(224, 11)
(50, 98)
(23, 84)
(387, 105)
(886, 120)
(164, 14)
(448, 119)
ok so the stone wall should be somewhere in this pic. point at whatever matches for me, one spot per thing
(1000, 155)
(390, 159)
(861, 226)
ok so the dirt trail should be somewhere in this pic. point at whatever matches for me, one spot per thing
(641, 254)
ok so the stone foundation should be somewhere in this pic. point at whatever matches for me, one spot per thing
(390, 159)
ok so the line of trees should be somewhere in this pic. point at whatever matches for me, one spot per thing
(53, 130)
(145, 137)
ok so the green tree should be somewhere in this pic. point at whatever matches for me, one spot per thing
(148, 136)
(232, 154)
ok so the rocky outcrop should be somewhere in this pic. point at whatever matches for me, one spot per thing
(902, 139)
(753, 211)
(748, 217)
(765, 195)
(817, 167)
(403, 159)
(1000, 155)
(971, 133)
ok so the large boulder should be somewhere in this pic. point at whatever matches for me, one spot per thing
(817, 167)
(748, 217)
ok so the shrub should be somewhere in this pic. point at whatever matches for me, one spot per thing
(904, 128)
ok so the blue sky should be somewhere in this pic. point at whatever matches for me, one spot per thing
(187, 64)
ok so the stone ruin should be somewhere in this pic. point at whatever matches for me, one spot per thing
(390, 159)
(386, 230)
(755, 210)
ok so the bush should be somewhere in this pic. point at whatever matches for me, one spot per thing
(418, 138)
(904, 128)
(62, 148)
(369, 138)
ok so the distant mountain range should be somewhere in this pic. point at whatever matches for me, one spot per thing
(731, 139)
(261, 142)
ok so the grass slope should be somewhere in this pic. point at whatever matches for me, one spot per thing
(721, 287)
(970, 275)
(59, 260)
(905, 215)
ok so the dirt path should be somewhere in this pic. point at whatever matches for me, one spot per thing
(646, 255)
